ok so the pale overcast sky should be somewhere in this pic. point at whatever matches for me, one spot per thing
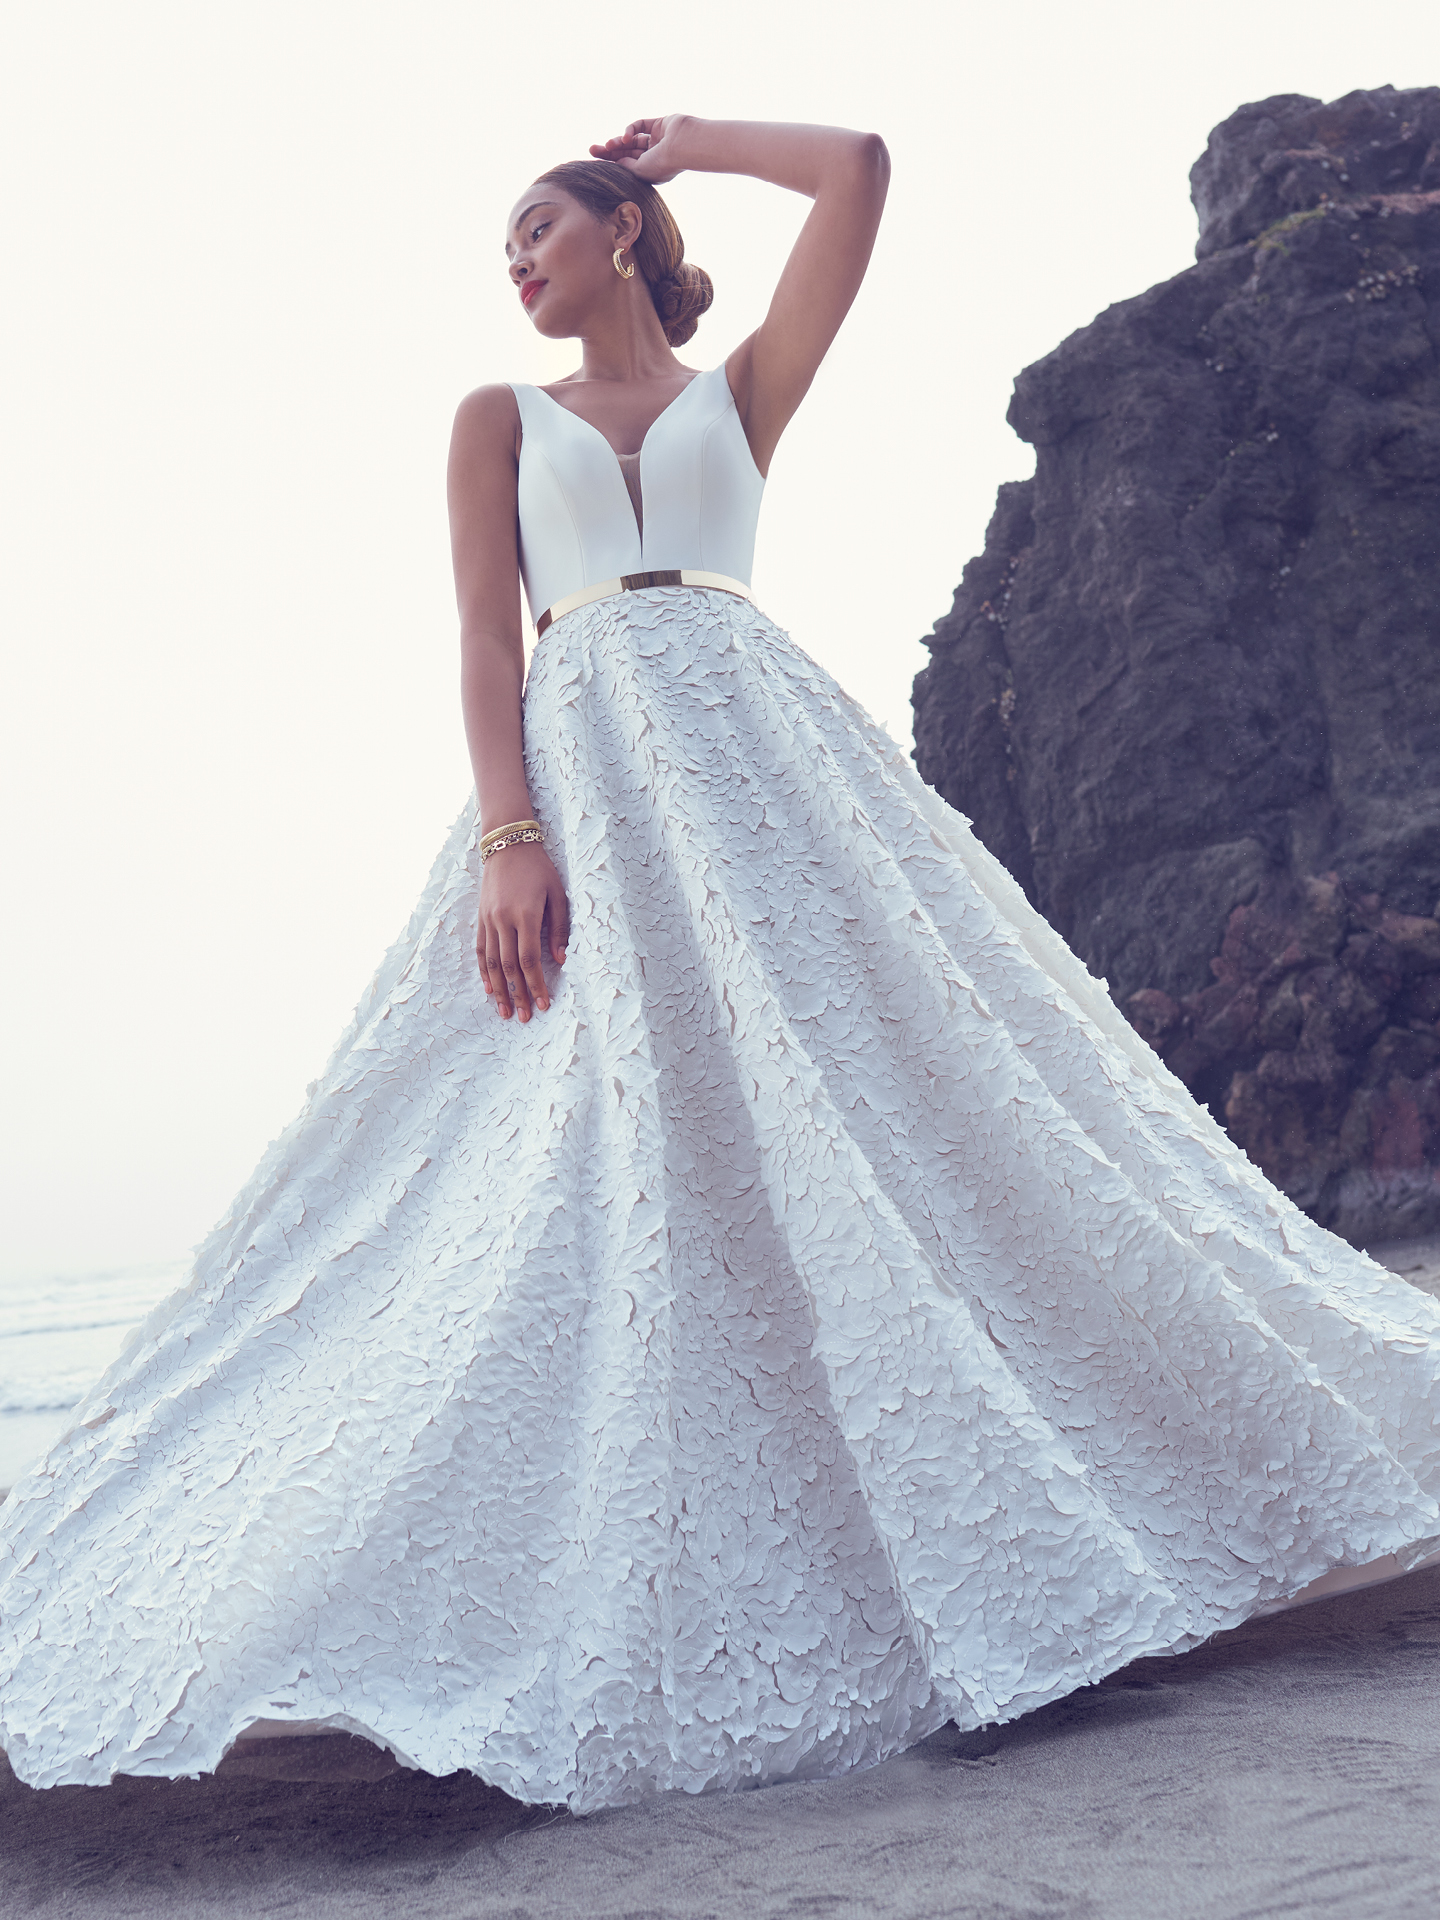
(253, 259)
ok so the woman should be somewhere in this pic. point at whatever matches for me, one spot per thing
(824, 1320)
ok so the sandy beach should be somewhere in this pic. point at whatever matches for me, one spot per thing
(1288, 1769)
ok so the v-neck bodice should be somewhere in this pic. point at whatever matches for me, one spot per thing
(699, 486)
(630, 473)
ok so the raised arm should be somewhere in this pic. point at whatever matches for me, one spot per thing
(846, 175)
(522, 900)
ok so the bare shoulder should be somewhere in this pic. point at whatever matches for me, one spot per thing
(481, 484)
(488, 420)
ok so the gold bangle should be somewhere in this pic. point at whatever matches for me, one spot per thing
(495, 833)
(512, 837)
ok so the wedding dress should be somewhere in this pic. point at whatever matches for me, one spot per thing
(829, 1320)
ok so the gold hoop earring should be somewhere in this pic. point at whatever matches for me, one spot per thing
(625, 273)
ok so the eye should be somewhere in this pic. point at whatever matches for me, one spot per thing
(535, 232)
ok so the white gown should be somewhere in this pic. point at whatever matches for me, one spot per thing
(829, 1320)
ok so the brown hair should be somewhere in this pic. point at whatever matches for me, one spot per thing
(680, 291)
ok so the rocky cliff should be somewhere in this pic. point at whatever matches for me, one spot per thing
(1197, 667)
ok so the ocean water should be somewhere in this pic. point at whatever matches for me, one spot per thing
(57, 1336)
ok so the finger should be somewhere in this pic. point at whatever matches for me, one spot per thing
(528, 953)
(497, 976)
(558, 906)
(514, 973)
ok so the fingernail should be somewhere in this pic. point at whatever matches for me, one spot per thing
(561, 958)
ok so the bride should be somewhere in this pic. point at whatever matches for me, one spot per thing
(807, 1313)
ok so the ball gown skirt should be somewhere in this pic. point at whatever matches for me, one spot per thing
(828, 1321)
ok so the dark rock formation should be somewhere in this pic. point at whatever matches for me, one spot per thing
(1318, 1044)
(1198, 661)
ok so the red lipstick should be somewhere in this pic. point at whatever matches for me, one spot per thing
(529, 290)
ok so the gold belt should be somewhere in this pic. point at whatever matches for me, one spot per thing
(632, 583)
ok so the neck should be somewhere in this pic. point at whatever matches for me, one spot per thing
(628, 343)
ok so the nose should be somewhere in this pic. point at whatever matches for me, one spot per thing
(520, 271)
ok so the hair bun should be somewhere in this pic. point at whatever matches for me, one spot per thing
(680, 299)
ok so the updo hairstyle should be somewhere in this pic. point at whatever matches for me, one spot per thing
(680, 291)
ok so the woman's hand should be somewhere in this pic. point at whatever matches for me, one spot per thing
(522, 910)
(650, 148)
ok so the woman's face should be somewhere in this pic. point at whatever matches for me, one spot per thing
(560, 256)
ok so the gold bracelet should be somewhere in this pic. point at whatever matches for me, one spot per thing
(511, 837)
(496, 833)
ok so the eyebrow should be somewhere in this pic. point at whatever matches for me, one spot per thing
(521, 218)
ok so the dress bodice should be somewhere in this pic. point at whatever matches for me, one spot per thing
(699, 484)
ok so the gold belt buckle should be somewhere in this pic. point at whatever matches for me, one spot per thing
(635, 583)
